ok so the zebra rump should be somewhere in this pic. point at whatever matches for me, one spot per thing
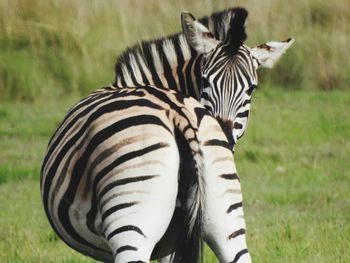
(74, 178)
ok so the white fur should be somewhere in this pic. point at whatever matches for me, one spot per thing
(269, 53)
(156, 59)
(185, 48)
(170, 54)
(157, 63)
(127, 76)
(143, 66)
(135, 67)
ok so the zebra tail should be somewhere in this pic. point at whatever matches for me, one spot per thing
(190, 244)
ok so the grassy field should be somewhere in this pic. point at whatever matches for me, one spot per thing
(293, 163)
(293, 160)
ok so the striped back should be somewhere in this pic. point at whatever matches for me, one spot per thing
(115, 158)
(110, 178)
(168, 62)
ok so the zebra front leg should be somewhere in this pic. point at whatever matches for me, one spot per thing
(137, 205)
(224, 223)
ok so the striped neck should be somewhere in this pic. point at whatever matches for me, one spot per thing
(167, 62)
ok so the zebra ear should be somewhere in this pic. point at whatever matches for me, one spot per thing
(198, 36)
(269, 53)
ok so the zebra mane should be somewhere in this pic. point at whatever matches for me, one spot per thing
(236, 34)
(219, 23)
(145, 55)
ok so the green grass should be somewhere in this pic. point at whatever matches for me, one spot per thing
(24, 132)
(296, 177)
(293, 164)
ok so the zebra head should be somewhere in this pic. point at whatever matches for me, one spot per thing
(229, 68)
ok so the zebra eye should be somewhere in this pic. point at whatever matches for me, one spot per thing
(251, 89)
(205, 82)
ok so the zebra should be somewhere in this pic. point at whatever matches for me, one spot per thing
(77, 182)
(207, 61)
(113, 175)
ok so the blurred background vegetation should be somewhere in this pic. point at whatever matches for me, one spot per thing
(53, 48)
(293, 160)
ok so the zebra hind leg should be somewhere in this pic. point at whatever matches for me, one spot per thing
(137, 205)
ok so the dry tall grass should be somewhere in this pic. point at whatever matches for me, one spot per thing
(49, 48)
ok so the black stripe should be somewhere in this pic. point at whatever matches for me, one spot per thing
(93, 211)
(239, 254)
(234, 206)
(189, 81)
(102, 135)
(226, 126)
(125, 248)
(232, 176)
(143, 74)
(239, 77)
(237, 125)
(146, 48)
(113, 106)
(123, 182)
(80, 165)
(216, 142)
(180, 65)
(131, 73)
(218, 79)
(168, 73)
(246, 102)
(124, 229)
(122, 80)
(162, 96)
(69, 195)
(210, 99)
(198, 72)
(120, 75)
(237, 233)
(116, 208)
(138, 261)
(188, 127)
(200, 113)
(243, 114)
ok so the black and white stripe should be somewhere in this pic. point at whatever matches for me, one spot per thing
(174, 63)
(125, 155)
(208, 61)
(110, 179)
